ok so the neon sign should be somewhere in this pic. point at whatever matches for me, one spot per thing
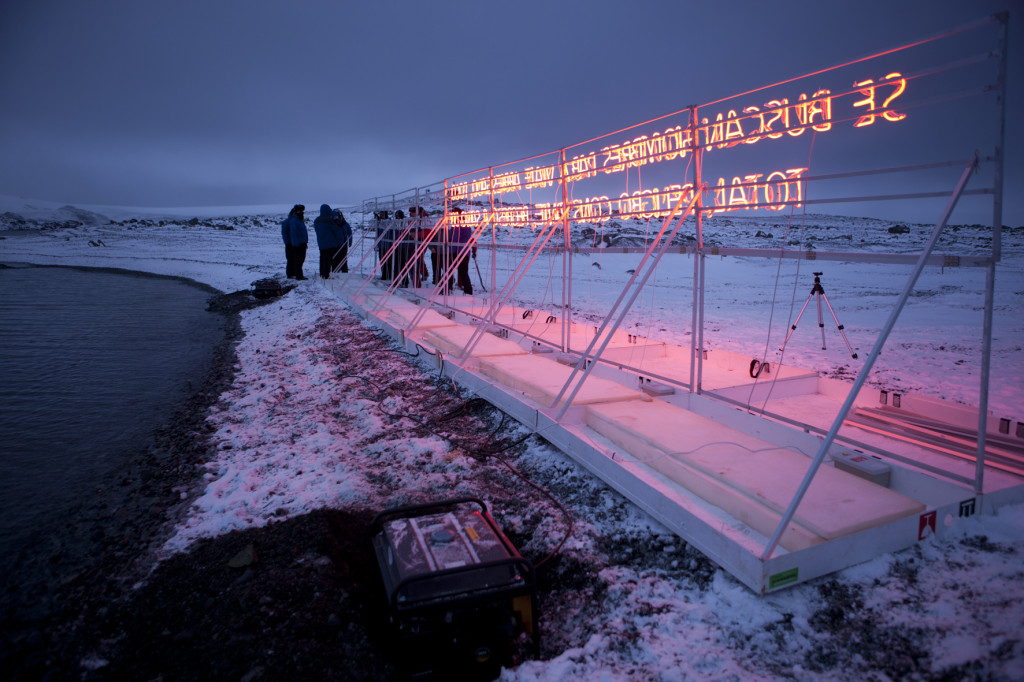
(778, 118)
(772, 191)
(779, 189)
(538, 178)
(661, 146)
(772, 120)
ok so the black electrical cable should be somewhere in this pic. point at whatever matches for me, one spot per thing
(486, 452)
(557, 503)
(490, 452)
(390, 345)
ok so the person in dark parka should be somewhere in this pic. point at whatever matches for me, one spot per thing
(340, 261)
(293, 232)
(328, 239)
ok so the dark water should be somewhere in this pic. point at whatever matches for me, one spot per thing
(90, 364)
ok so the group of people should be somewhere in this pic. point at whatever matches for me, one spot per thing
(398, 238)
(333, 238)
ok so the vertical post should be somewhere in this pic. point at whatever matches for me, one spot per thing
(566, 259)
(441, 240)
(997, 179)
(986, 353)
(436, 238)
(493, 228)
(697, 316)
(363, 251)
(990, 269)
(490, 186)
(494, 260)
(414, 273)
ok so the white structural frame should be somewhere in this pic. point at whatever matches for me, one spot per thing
(754, 559)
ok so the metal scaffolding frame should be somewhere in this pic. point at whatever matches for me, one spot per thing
(561, 173)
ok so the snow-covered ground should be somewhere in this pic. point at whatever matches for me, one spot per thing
(946, 608)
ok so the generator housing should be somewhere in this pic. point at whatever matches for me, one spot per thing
(458, 592)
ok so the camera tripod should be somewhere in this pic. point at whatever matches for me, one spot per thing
(817, 289)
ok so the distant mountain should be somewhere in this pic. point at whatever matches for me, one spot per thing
(66, 217)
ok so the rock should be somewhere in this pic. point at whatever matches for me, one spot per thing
(12, 220)
(246, 557)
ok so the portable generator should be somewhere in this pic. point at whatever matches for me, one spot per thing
(459, 593)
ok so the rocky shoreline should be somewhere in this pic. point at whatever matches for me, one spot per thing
(292, 600)
(108, 543)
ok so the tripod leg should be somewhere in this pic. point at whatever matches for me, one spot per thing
(796, 321)
(838, 326)
(821, 325)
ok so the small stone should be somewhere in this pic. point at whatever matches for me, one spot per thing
(246, 557)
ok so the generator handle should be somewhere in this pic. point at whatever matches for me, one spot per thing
(404, 511)
(529, 576)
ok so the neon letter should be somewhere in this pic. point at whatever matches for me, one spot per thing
(754, 110)
(733, 129)
(901, 85)
(781, 111)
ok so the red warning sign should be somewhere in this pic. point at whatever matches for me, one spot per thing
(926, 525)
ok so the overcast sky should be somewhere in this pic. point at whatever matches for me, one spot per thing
(229, 102)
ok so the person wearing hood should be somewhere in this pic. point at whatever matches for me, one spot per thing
(293, 232)
(328, 239)
(340, 261)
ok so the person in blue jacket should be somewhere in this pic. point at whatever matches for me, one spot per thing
(340, 261)
(293, 232)
(328, 239)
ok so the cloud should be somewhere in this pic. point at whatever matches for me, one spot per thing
(127, 102)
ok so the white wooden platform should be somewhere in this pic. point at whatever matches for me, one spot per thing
(453, 339)
(751, 478)
(541, 379)
(719, 477)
